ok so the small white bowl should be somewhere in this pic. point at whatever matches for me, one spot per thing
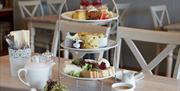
(122, 86)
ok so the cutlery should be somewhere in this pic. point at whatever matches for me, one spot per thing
(9, 42)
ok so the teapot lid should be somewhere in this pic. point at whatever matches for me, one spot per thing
(36, 65)
(37, 62)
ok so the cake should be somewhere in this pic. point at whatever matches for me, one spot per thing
(79, 14)
(91, 40)
(86, 40)
(91, 12)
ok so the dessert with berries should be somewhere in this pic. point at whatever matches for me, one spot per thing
(87, 68)
(91, 12)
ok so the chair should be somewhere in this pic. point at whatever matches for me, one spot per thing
(160, 17)
(30, 8)
(56, 6)
(122, 11)
(66, 26)
(172, 40)
(159, 14)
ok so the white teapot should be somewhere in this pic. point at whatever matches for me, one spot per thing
(36, 72)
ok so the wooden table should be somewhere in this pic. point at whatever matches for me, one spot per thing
(8, 83)
(174, 27)
(149, 83)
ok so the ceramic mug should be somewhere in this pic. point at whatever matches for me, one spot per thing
(35, 78)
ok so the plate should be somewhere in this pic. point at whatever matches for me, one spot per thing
(68, 16)
(80, 78)
(111, 44)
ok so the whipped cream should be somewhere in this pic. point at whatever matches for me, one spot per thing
(91, 8)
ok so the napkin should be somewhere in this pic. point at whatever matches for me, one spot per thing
(21, 38)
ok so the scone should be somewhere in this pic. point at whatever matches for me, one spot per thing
(110, 71)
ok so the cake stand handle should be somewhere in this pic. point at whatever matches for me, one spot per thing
(117, 12)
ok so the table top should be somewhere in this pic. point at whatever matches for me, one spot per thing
(175, 26)
(6, 81)
(149, 83)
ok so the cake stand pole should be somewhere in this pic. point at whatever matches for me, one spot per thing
(114, 3)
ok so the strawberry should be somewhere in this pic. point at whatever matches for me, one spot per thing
(103, 16)
(97, 2)
(85, 3)
(102, 66)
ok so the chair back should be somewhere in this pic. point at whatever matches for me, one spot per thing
(30, 8)
(160, 14)
(56, 6)
(123, 9)
(171, 39)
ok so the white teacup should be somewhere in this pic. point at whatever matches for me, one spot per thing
(122, 86)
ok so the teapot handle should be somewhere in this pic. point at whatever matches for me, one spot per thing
(19, 71)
